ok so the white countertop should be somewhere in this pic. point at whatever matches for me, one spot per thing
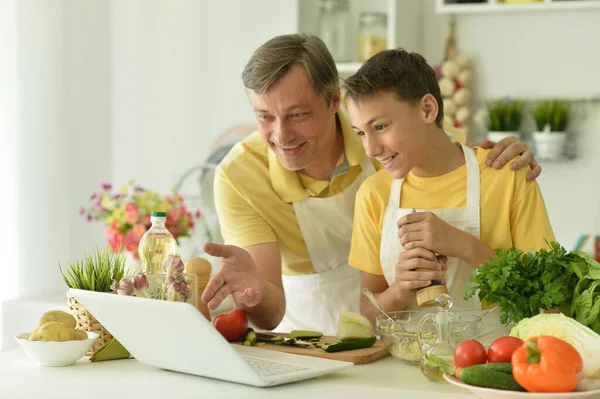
(21, 377)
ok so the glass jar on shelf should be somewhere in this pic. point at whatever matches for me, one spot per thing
(372, 36)
(334, 28)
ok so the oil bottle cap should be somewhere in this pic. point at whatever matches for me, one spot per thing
(159, 214)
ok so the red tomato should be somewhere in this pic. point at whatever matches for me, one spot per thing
(232, 325)
(501, 350)
(469, 353)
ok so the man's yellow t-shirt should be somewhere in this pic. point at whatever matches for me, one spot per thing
(512, 213)
(254, 195)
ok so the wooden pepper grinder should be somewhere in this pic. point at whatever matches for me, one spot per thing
(202, 269)
(426, 295)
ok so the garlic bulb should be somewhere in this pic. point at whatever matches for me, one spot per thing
(462, 61)
(173, 263)
(464, 77)
(462, 97)
(462, 115)
(447, 87)
(449, 106)
(450, 69)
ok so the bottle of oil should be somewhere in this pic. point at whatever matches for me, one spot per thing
(156, 244)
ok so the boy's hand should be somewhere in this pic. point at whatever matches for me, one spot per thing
(426, 230)
(505, 150)
(415, 269)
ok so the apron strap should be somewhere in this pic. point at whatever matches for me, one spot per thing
(394, 201)
(473, 195)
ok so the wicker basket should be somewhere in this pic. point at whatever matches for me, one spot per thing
(87, 322)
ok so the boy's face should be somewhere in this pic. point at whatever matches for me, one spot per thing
(392, 131)
(295, 121)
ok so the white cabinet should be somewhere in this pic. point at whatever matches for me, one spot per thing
(403, 27)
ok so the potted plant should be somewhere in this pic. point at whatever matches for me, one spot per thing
(504, 118)
(97, 271)
(551, 119)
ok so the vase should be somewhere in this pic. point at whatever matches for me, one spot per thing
(496, 136)
(549, 145)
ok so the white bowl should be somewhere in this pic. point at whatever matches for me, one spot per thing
(489, 393)
(56, 354)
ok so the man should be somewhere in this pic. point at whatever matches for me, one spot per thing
(285, 195)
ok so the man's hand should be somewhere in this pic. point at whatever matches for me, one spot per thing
(416, 268)
(238, 276)
(506, 149)
(426, 230)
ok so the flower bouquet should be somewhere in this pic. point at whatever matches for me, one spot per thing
(126, 214)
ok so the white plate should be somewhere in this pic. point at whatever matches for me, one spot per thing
(489, 393)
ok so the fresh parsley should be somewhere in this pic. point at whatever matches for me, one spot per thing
(523, 283)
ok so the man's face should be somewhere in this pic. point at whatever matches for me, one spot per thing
(392, 131)
(295, 121)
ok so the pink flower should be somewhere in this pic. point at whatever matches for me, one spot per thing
(115, 240)
(197, 214)
(131, 212)
(81, 211)
(89, 218)
(125, 287)
(140, 281)
(138, 231)
(146, 220)
(106, 186)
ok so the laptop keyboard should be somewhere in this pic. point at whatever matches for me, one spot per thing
(269, 368)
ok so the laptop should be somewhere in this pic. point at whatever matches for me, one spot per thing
(176, 336)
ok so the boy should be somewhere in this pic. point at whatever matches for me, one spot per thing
(464, 209)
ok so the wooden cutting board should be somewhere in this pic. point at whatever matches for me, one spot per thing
(356, 356)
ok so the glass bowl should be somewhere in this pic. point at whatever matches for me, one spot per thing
(400, 336)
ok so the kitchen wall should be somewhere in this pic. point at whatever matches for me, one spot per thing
(139, 89)
(110, 91)
(534, 55)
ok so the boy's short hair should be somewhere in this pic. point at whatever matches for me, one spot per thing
(407, 75)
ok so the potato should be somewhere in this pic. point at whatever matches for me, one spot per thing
(57, 315)
(34, 337)
(56, 331)
(80, 335)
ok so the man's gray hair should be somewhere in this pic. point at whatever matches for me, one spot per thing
(271, 61)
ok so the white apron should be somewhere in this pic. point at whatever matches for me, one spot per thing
(458, 272)
(315, 301)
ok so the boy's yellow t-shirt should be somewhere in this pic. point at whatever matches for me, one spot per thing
(512, 213)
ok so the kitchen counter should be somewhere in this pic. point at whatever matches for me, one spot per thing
(21, 377)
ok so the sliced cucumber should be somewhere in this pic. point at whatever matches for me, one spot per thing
(305, 334)
(349, 345)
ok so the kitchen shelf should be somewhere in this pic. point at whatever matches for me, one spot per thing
(492, 6)
(307, 12)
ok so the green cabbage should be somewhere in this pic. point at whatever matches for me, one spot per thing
(584, 339)
(353, 326)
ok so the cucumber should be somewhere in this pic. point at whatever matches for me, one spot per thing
(488, 376)
(249, 338)
(501, 367)
(305, 334)
(349, 345)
